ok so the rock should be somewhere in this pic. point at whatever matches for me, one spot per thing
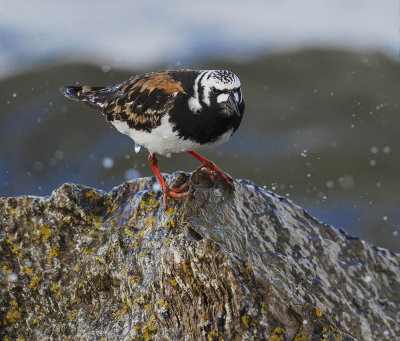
(222, 264)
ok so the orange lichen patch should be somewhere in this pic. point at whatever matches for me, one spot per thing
(277, 335)
(13, 315)
(245, 321)
(318, 313)
(52, 252)
(174, 283)
(163, 82)
(34, 283)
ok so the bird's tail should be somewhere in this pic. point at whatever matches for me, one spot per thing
(94, 96)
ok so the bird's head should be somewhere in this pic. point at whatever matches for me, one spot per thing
(217, 90)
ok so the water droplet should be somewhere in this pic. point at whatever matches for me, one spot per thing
(168, 155)
(304, 153)
(108, 162)
(59, 154)
(385, 218)
(374, 149)
(14, 94)
(329, 184)
(38, 165)
(156, 187)
(386, 149)
(137, 148)
(105, 68)
(131, 174)
(53, 162)
(346, 181)
(372, 163)
(13, 277)
(368, 278)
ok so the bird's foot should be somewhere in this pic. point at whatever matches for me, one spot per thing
(174, 193)
(212, 167)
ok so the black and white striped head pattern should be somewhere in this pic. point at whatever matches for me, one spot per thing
(216, 88)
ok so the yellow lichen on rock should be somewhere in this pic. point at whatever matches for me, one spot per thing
(245, 321)
(54, 288)
(52, 252)
(277, 335)
(13, 315)
(149, 329)
(72, 315)
(44, 232)
(34, 283)
(214, 336)
(143, 254)
(186, 268)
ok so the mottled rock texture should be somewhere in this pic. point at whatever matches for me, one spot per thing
(219, 265)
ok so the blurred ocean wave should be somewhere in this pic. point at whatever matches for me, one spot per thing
(139, 34)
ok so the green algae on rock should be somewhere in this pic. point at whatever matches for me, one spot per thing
(220, 265)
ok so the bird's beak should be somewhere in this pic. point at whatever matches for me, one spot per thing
(231, 104)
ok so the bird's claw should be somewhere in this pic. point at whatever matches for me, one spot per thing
(174, 193)
(211, 167)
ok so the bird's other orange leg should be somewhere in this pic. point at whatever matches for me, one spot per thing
(210, 167)
(168, 192)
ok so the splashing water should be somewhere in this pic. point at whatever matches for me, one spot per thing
(137, 148)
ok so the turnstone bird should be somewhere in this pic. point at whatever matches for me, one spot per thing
(172, 112)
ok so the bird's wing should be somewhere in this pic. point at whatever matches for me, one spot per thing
(140, 102)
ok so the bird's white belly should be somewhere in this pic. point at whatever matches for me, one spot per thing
(163, 140)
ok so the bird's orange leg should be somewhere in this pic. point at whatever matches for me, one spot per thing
(168, 192)
(210, 167)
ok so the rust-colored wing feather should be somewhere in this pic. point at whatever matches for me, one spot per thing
(141, 101)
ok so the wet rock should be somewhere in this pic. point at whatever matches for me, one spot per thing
(222, 264)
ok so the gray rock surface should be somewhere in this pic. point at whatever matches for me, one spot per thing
(219, 265)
